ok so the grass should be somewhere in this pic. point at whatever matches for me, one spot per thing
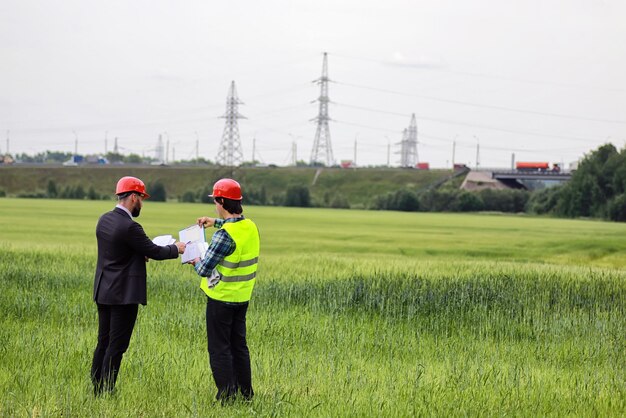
(354, 313)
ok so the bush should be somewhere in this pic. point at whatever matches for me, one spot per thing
(92, 195)
(504, 200)
(157, 191)
(298, 196)
(70, 192)
(543, 201)
(438, 200)
(204, 195)
(3, 193)
(404, 200)
(340, 202)
(278, 199)
(79, 192)
(66, 193)
(596, 185)
(52, 191)
(617, 208)
(32, 195)
(255, 197)
(468, 202)
(188, 197)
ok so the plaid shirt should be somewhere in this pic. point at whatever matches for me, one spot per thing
(222, 245)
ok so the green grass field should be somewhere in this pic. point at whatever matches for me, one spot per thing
(355, 313)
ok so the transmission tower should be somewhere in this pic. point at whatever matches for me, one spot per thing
(322, 150)
(158, 151)
(230, 153)
(408, 145)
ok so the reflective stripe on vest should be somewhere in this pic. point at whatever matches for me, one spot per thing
(245, 263)
(237, 271)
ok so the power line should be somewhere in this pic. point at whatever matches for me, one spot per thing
(471, 125)
(441, 68)
(450, 140)
(281, 110)
(485, 106)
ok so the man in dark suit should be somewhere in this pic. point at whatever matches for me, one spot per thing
(120, 280)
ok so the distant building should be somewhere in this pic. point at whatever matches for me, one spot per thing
(6, 159)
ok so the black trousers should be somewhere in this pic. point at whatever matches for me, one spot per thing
(228, 351)
(115, 327)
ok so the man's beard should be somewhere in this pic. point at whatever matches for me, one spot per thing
(135, 212)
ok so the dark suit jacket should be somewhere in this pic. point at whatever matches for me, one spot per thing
(121, 269)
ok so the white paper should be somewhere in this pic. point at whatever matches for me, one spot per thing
(194, 250)
(196, 245)
(193, 233)
(163, 240)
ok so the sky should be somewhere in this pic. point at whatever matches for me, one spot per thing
(544, 80)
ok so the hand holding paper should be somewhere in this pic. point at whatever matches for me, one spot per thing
(206, 222)
(181, 247)
(196, 243)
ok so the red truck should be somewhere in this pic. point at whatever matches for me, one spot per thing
(537, 166)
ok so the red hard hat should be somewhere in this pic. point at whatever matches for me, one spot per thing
(131, 184)
(227, 188)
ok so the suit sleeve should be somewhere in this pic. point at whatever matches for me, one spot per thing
(139, 241)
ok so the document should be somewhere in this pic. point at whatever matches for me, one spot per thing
(163, 240)
(196, 245)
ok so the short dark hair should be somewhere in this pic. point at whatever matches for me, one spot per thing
(124, 195)
(232, 206)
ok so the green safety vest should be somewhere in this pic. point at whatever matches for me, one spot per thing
(237, 271)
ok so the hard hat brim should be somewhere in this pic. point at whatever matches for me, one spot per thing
(213, 197)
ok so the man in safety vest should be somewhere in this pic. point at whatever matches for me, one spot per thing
(229, 270)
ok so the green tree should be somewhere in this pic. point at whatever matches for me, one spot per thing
(188, 197)
(255, 197)
(204, 195)
(52, 191)
(404, 200)
(544, 201)
(468, 202)
(133, 159)
(507, 200)
(114, 157)
(339, 201)
(92, 195)
(79, 192)
(66, 192)
(617, 208)
(438, 200)
(57, 156)
(297, 196)
(599, 180)
(157, 191)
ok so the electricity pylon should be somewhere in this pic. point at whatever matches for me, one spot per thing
(158, 151)
(408, 145)
(322, 151)
(230, 153)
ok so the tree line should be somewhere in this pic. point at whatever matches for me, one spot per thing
(597, 189)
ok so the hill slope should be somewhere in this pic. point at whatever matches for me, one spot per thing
(357, 186)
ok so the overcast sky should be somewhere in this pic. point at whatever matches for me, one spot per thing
(545, 79)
